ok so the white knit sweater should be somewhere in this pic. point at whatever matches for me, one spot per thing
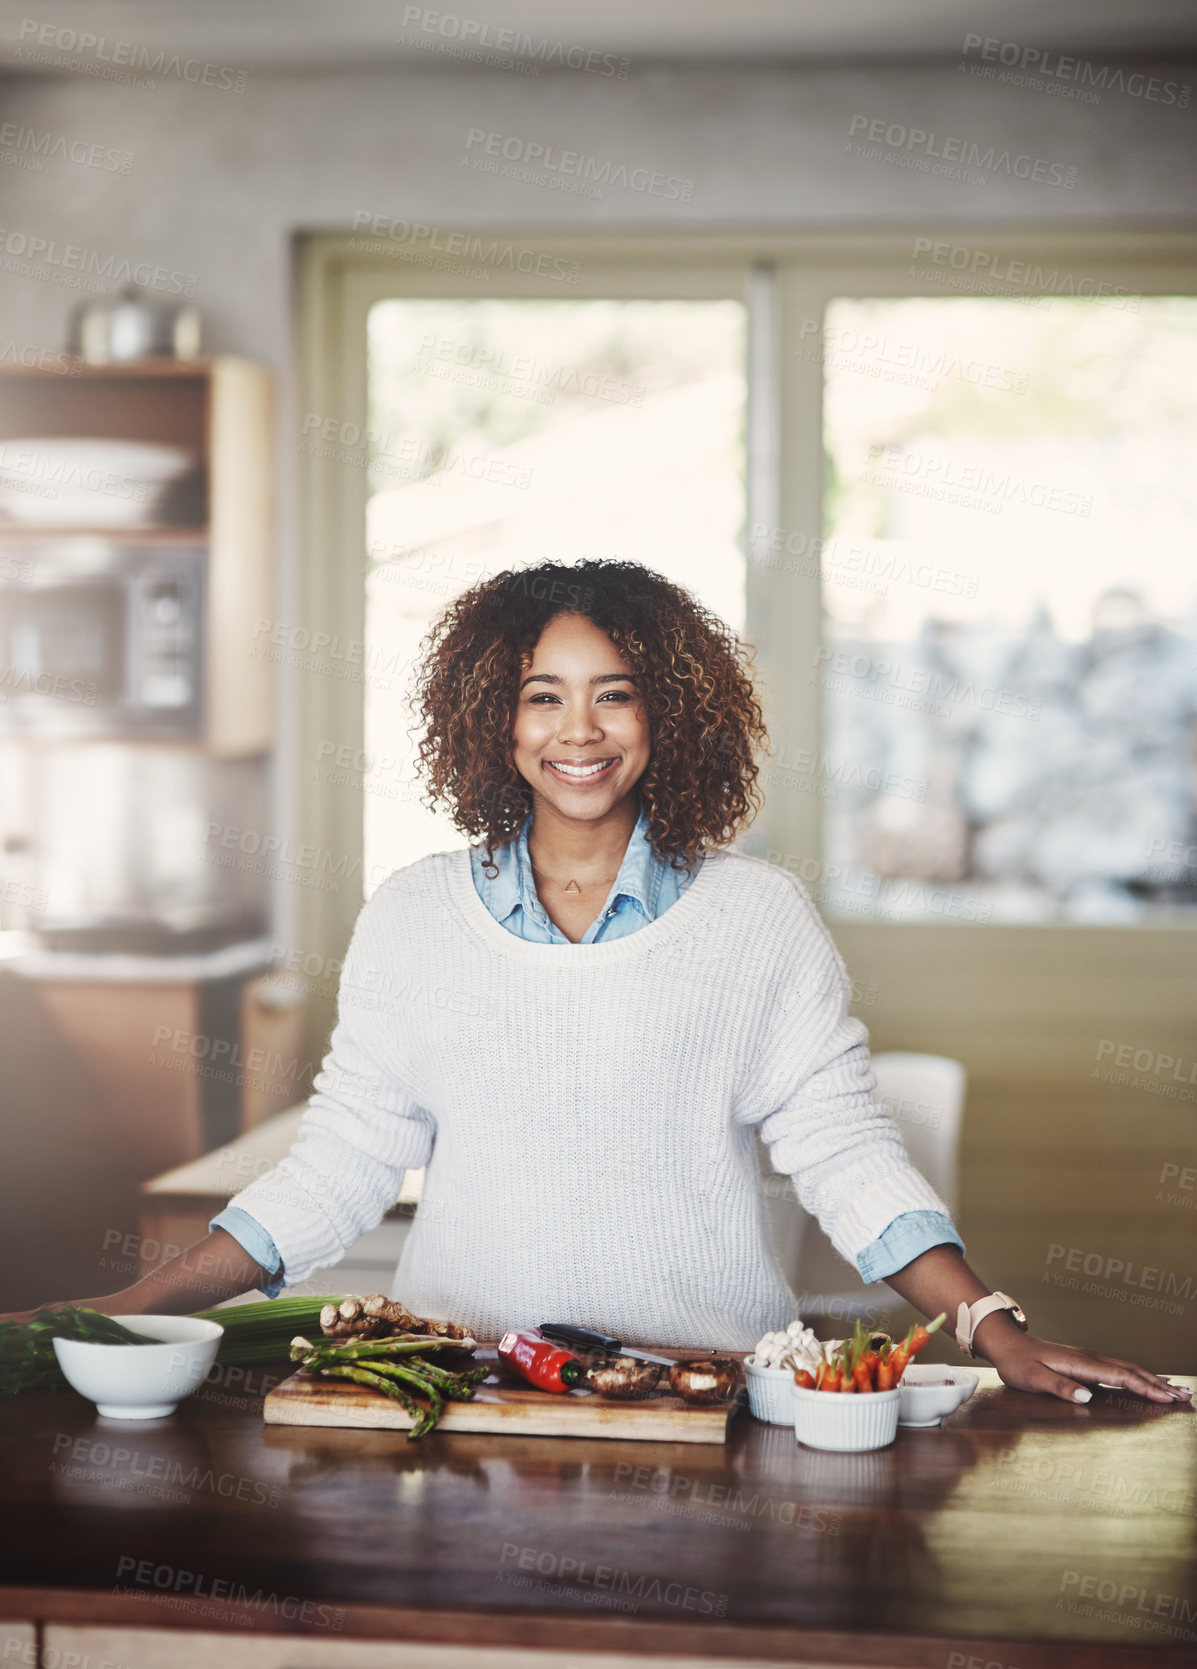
(587, 1112)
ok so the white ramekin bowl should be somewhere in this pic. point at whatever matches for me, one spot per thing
(142, 1381)
(844, 1420)
(769, 1393)
(926, 1398)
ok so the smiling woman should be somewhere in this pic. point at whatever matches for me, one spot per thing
(591, 703)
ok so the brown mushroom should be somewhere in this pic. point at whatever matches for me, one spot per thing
(623, 1378)
(705, 1379)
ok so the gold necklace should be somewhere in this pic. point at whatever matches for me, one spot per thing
(571, 886)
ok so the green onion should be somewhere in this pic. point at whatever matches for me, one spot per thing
(255, 1333)
(27, 1359)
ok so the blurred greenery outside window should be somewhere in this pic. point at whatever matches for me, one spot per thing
(1010, 607)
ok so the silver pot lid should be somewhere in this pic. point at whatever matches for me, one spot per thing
(134, 324)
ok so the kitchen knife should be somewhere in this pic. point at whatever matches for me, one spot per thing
(582, 1338)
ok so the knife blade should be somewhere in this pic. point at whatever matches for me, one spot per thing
(584, 1338)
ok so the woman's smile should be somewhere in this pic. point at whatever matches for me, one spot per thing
(581, 771)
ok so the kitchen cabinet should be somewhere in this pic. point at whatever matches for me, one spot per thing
(222, 410)
(118, 1068)
(18, 1644)
(186, 1055)
(112, 1648)
(136, 667)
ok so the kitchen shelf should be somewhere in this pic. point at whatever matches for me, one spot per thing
(110, 403)
(223, 410)
(125, 369)
(171, 533)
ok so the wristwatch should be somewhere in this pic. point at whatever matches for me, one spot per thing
(969, 1317)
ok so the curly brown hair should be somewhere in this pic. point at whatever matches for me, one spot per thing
(694, 675)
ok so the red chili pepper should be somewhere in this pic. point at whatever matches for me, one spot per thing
(542, 1364)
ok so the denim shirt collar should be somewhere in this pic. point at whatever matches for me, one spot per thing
(639, 878)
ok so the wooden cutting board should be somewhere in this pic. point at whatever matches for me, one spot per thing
(503, 1403)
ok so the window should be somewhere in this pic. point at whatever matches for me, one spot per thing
(1009, 665)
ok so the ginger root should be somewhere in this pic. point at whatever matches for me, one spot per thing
(379, 1317)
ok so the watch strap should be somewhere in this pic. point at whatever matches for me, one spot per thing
(970, 1316)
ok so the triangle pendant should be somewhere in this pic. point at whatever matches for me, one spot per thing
(572, 886)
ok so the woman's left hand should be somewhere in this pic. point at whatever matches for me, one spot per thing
(1062, 1370)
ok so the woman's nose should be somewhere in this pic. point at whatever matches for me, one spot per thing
(578, 725)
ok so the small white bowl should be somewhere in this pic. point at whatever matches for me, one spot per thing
(845, 1420)
(769, 1393)
(928, 1391)
(142, 1381)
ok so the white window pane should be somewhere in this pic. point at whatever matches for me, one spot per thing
(1010, 655)
(517, 432)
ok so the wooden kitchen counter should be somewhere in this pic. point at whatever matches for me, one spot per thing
(1023, 1531)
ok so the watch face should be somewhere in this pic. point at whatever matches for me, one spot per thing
(1018, 1315)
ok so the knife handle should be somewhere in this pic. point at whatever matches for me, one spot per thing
(578, 1338)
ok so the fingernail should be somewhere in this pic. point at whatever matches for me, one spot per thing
(1082, 1395)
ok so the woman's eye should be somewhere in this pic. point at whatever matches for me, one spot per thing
(621, 697)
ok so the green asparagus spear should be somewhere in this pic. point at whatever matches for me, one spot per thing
(457, 1387)
(435, 1400)
(353, 1350)
(454, 1387)
(423, 1419)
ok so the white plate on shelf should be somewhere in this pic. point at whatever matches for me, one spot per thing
(59, 481)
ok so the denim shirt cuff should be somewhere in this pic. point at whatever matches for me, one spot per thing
(906, 1238)
(250, 1234)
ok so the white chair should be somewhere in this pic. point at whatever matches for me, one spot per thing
(925, 1093)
